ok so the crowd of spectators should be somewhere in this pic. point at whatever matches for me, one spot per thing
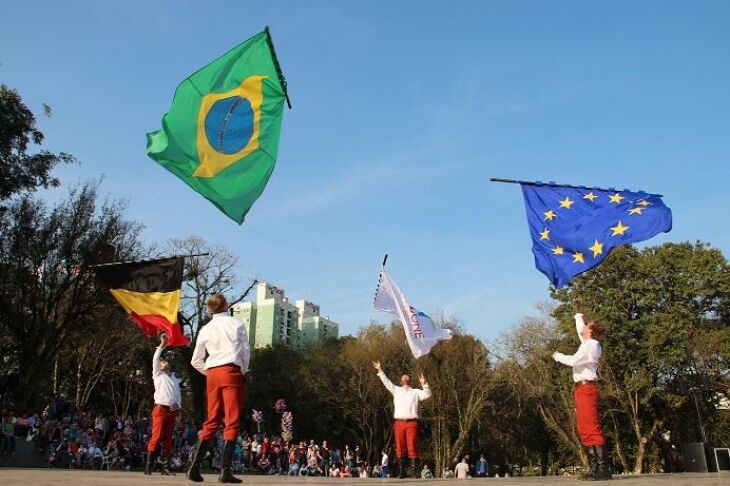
(84, 440)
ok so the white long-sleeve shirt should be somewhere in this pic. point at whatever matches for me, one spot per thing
(225, 340)
(585, 360)
(167, 385)
(405, 400)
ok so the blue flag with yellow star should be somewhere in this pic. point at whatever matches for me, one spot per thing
(574, 229)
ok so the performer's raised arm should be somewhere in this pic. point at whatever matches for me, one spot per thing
(156, 357)
(381, 374)
(425, 393)
(579, 323)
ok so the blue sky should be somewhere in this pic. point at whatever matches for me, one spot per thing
(402, 112)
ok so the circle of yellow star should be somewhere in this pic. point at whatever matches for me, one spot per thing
(616, 198)
(558, 250)
(578, 257)
(590, 196)
(597, 248)
(549, 215)
(644, 203)
(619, 229)
(545, 234)
(636, 211)
(566, 203)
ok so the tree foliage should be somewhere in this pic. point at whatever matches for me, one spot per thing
(48, 294)
(20, 170)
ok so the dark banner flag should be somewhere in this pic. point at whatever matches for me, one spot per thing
(150, 292)
(573, 229)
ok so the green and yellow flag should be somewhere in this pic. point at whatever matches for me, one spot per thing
(221, 135)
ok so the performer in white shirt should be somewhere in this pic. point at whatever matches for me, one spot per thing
(405, 427)
(225, 340)
(585, 364)
(167, 403)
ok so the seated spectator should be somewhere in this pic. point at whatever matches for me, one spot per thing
(177, 462)
(426, 472)
(96, 455)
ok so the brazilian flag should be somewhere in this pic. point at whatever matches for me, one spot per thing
(221, 136)
(150, 293)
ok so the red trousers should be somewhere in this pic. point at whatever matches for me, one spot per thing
(163, 424)
(226, 393)
(586, 412)
(406, 438)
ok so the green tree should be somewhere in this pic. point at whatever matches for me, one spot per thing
(19, 169)
(47, 290)
(666, 309)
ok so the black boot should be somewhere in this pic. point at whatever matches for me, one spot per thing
(151, 461)
(590, 475)
(227, 464)
(165, 464)
(402, 468)
(196, 457)
(413, 464)
(603, 469)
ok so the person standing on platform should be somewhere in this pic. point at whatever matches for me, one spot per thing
(405, 427)
(585, 375)
(225, 341)
(167, 403)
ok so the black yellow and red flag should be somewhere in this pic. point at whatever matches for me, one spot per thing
(150, 292)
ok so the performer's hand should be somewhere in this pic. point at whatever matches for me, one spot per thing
(376, 365)
(163, 339)
(577, 305)
(555, 354)
(422, 379)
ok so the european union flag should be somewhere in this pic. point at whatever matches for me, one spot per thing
(574, 229)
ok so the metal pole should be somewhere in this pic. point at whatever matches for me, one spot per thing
(253, 284)
(385, 259)
(282, 79)
(699, 417)
(571, 186)
(150, 261)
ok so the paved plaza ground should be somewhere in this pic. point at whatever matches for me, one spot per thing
(58, 477)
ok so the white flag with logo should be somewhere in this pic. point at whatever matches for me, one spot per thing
(421, 333)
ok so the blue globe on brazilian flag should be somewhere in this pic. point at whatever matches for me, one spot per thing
(221, 135)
